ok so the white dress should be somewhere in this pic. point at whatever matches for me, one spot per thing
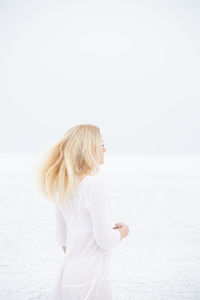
(85, 228)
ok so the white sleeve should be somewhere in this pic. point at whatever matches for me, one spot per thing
(99, 206)
(61, 226)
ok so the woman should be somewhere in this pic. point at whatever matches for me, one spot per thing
(83, 214)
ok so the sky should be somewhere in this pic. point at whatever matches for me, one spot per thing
(129, 67)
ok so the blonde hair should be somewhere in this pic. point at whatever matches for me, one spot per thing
(74, 155)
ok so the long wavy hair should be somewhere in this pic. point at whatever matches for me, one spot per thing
(73, 156)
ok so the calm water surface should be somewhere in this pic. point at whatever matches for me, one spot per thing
(157, 196)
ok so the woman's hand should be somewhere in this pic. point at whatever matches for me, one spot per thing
(123, 229)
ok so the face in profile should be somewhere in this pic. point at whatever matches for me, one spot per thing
(102, 150)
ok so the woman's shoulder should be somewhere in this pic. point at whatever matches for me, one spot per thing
(96, 182)
(94, 179)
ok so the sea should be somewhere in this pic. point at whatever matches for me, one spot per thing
(157, 196)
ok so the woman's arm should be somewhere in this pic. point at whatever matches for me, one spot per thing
(61, 227)
(99, 206)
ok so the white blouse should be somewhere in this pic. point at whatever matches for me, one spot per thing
(85, 228)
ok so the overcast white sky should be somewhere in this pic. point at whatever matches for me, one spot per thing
(130, 67)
